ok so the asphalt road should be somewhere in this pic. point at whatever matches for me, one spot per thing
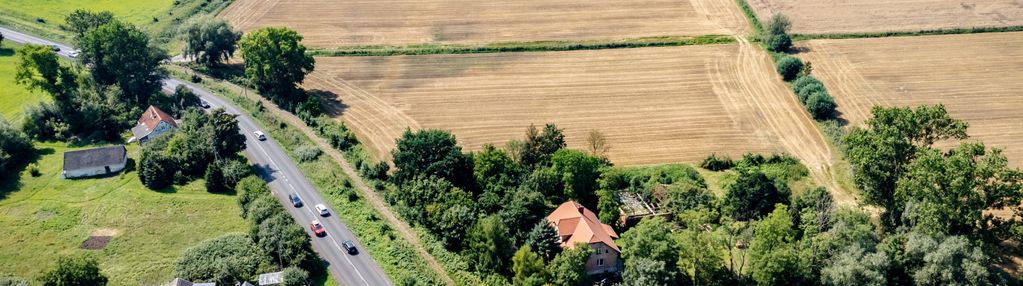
(284, 178)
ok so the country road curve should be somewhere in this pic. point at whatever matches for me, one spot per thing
(284, 178)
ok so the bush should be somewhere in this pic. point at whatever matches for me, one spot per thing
(753, 195)
(789, 67)
(14, 147)
(33, 169)
(306, 153)
(74, 270)
(215, 178)
(715, 163)
(778, 43)
(804, 92)
(294, 276)
(821, 105)
(802, 81)
(226, 260)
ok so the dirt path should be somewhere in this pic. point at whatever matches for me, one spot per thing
(364, 190)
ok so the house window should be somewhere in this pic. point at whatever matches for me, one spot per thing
(600, 262)
(606, 251)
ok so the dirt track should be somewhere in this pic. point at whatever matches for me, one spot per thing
(857, 16)
(332, 23)
(979, 77)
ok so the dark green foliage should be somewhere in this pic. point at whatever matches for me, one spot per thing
(80, 22)
(215, 178)
(435, 203)
(701, 256)
(210, 40)
(376, 171)
(156, 170)
(39, 69)
(821, 105)
(79, 270)
(789, 67)
(279, 236)
(226, 260)
(540, 146)
(176, 104)
(249, 189)
(528, 268)
(202, 140)
(294, 276)
(121, 54)
(642, 271)
(275, 63)
(307, 153)
(953, 261)
(223, 132)
(807, 88)
(879, 153)
(772, 251)
(522, 209)
(544, 240)
(608, 203)
(579, 172)
(753, 195)
(337, 134)
(717, 164)
(775, 33)
(688, 197)
(489, 246)
(432, 153)
(815, 205)
(568, 268)
(234, 169)
(494, 169)
(854, 266)
(651, 240)
(15, 147)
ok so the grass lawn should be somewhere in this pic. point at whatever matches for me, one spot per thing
(53, 11)
(13, 97)
(45, 217)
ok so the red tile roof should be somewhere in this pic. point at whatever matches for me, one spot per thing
(575, 224)
(153, 116)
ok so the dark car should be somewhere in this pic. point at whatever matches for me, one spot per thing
(55, 48)
(204, 104)
(295, 201)
(350, 247)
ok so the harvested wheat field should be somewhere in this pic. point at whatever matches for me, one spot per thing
(862, 16)
(979, 78)
(655, 105)
(333, 23)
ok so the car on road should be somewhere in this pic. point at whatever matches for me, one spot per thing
(204, 104)
(322, 209)
(350, 247)
(260, 135)
(295, 200)
(55, 48)
(317, 228)
(73, 54)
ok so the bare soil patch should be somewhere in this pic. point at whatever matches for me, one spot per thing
(979, 78)
(863, 16)
(333, 23)
(99, 238)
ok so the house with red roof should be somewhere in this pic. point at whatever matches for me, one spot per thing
(577, 224)
(153, 123)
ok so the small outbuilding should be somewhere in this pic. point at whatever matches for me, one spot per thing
(273, 278)
(152, 123)
(94, 162)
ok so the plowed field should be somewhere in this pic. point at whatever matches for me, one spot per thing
(979, 78)
(858, 16)
(655, 105)
(332, 23)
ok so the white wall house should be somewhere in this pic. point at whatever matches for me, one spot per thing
(152, 123)
(94, 162)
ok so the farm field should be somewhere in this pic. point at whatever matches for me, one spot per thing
(14, 97)
(977, 77)
(328, 23)
(654, 105)
(863, 16)
(46, 217)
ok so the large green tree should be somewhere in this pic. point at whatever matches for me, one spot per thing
(81, 22)
(568, 268)
(81, 270)
(947, 192)
(879, 153)
(122, 55)
(544, 240)
(651, 239)
(528, 268)
(210, 40)
(541, 145)
(494, 168)
(284, 240)
(579, 172)
(432, 152)
(15, 147)
(753, 195)
(39, 69)
(772, 253)
(490, 245)
(276, 62)
(854, 266)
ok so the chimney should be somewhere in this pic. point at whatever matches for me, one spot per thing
(579, 207)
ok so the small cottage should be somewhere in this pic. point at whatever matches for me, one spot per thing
(94, 162)
(153, 123)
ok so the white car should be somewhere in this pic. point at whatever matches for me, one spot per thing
(322, 209)
(73, 54)
(260, 135)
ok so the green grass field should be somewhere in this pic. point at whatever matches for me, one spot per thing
(45, 217)
(13, 97)
(53, 11)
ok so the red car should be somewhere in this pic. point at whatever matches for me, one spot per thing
(318, 228)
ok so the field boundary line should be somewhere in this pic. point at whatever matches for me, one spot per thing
(510, 47)
(931, 32)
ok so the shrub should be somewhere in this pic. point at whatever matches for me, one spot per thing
(789, 67)
(804, 92)
(14, 147)
(820, 105)
(803, 81)
(33, 169)
(753, 195)
(226, 260)
(215, 178)
(715, 163)
(294, 276)
(778, 43)
(306, 153)
(74, 270)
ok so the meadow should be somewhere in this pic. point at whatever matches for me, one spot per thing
(14, 97)
(46, 217)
